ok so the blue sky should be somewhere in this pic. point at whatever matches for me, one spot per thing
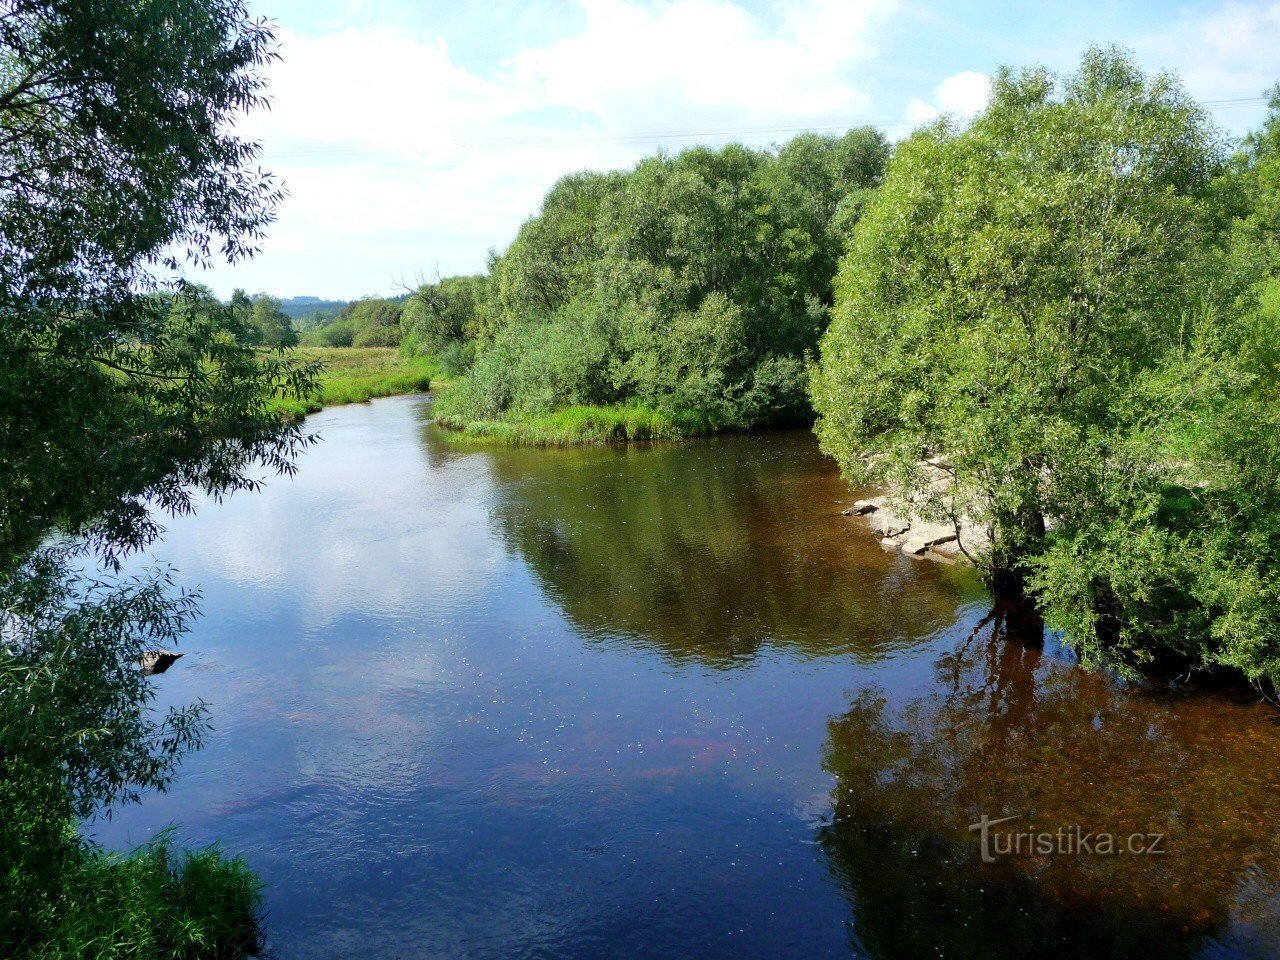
(414, 136)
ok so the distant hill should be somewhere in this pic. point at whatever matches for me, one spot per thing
(296, 307)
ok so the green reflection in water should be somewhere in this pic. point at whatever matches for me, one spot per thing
(1005, 730)
(711, 549)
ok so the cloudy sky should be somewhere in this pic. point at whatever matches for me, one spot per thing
(413, 135)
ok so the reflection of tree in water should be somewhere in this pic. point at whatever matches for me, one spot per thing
(709, 549)
(1004, 730)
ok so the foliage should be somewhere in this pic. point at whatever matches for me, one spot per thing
(1048, 299)
(553, 258)
(338, 333)
(78, 732)
(109, 399)
(442, 315)
(263, 321)
(694, 285)
(120, 397)
(374, 322)
(153, 904)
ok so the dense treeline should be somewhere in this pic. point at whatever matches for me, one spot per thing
(692, 287)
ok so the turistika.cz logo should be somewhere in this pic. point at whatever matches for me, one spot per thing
(1071, 841)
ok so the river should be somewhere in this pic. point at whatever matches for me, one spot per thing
(667, 702)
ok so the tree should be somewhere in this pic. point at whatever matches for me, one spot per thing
(442, 313)
(1045, 301)
(375, 322)
(269, 325)
(114, 156)
(120, 396)
(553, 256)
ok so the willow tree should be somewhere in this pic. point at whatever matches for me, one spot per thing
(1042, 300)
(122, 395)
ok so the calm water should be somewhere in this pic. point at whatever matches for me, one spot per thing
(667, 702)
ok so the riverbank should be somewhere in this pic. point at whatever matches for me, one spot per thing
(579, 425)
(891, 518)
(358, 374)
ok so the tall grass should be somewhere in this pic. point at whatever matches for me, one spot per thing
(357, 374)
(582, 425)
(153, 904)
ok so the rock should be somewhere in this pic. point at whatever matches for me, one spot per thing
(914, 547)
(157, 661)
(862, 507)
(888, 542)
(949, 550)
(887, 525)
(931, 534)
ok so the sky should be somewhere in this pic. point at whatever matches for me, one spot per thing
(413, 137)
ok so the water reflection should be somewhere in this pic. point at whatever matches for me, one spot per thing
(1004, 729)
(711, 550)
(474, 702)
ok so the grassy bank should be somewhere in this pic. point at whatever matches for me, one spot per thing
(581, 425)
(153, 904)
(357, 374)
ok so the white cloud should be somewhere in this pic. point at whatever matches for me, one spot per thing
(1231, 53)
(961, 94)
(635, 64)
(397, 156)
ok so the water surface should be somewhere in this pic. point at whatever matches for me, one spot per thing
(666, 702)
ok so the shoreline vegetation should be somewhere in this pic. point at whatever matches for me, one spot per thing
(580, 425)
(1073, 298)
(356, 375)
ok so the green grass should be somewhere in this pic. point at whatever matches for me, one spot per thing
(357, 374)
(583, 425)
(152, 904)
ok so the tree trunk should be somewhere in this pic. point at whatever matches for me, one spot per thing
(1018, 537)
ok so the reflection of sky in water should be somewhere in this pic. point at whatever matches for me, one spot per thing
(462, 711)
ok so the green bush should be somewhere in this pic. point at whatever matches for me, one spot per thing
(692, 285)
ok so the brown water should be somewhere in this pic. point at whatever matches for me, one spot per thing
(667, 702)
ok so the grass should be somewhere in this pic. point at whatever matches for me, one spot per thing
(357, 374)
(583, 425)
(152, 904)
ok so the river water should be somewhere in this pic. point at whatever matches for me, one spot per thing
(667, 702)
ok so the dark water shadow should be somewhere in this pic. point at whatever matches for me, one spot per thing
(1006, 730)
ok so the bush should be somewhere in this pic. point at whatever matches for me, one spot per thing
(339, 333)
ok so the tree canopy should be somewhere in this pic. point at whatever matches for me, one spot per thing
(1050, 301)
(694, 284)
(122, 397)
